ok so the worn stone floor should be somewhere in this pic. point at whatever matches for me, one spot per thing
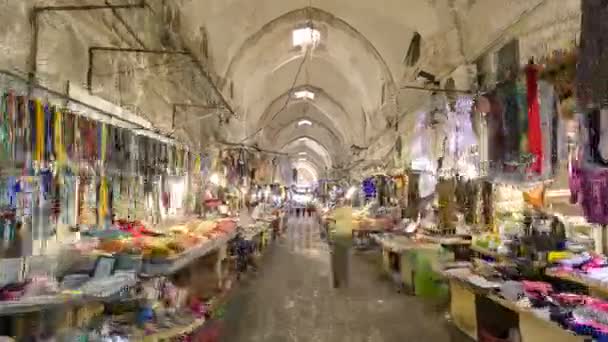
(291, 299)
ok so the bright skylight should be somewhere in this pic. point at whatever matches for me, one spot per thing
(304, 123)
(306, 36)
(304, 94)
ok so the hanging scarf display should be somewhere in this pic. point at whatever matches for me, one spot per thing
(508, 114)
(48, 133)
(21, 129)
(535, 137)
(60, 154)
(592, 69)
(103, 201)
(103, 142)
(39, 131)
(8, 110)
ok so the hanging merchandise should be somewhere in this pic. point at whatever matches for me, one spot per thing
(592, 69)
(58, 138)
(7, 111)
(535, 144)
(39, 132)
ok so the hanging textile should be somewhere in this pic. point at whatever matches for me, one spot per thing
(39, 131)
(49, 124)
(103, 142)
(6, 134)
(547, 114)
(592, 68)
(506, 109)
(58, 143)
(497, 149)
(535, 197)
(535, 144)
(21, 138)
(103, 202)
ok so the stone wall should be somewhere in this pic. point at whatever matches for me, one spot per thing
(147, 84)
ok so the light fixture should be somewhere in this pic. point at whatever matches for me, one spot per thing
(302, 153)
(302, 159)
(351, 191)
(304, 94)
(215, 179)
(305, 36)
(304, 123)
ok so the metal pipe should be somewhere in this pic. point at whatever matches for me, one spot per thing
(92, 50)
(188, 105)
(438, 90)
(36, 11)
(125, 25)
(205, 74)
(221, 142)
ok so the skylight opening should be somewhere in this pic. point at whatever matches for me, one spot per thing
(306, 36)
(304, 94)
(304, 123)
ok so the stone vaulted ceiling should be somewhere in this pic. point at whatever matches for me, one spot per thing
(355, 71)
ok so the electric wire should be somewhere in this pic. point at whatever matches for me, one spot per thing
(285, 104)
(293, 84)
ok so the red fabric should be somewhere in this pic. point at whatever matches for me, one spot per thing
(535, 145)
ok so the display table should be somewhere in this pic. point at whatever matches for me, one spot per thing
(594, 288)
(471, 305)
(415, 263)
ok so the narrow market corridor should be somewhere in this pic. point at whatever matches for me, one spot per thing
(291, 299)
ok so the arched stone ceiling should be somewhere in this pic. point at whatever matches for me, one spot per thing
(304, 152)
(307, 143)
(335, 151)
(319, 134)
(354, 71)
(387, 27)
(345, 51)
(311, 174)
(294, 128)
(334, 95)
(323, 108)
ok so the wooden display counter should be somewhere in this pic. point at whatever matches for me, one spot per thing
(476, 312)
(415, 265)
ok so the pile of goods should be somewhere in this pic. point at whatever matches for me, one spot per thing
(133, 238)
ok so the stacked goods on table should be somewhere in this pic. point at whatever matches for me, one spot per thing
(572, 299)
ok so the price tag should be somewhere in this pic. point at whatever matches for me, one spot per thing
(11, 271)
